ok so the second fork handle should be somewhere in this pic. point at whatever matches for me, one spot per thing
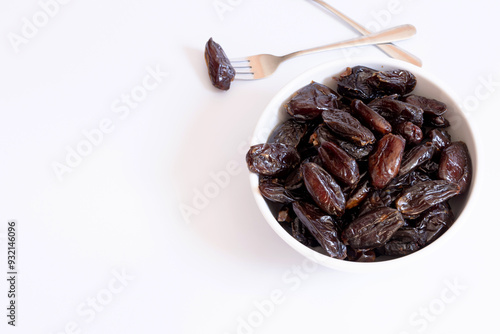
(385, 36)
(390, 49)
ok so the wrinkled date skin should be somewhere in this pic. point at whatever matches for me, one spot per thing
(340, 164)
(423, 195)
(320, 135)
(310, 101)
(398, 82)
(364, 83)
(373, 229)
(220, 70)
(290, 133)
(370, 118)
(360, 255)
(353, 83)
(347, 127)
(358, 195)
(397, 111)
(435, 221)
(322, 227)
(366, 173)
(436, 122)
(323, 189)
(384, 163)
(430, 107)
(439, 138)
(404, 241)
(323, 134)
(455, 165)
(302, 234)
(409, 131)
(272, 159)
(274, 191)
(416, 157)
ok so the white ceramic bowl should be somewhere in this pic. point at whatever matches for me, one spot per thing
(428, 86)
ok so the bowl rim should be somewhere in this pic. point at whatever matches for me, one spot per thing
(336, 66)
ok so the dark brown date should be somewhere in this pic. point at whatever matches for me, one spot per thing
(323, 189)
(375, 199)
(358, 195)
(310, 101)
(384, 163)
(455, 165)
(322, 227)
(436, 122)
(373, 229)
(220, 70)
(370, 118)
(435, 221)
(347, 127)
(302, 233)
(323, 134)
(404, 241)
(398, 111)
(290, 133)
(353, 83)
(398, 82)
(340, 164)
(416, 157)
(320, 135)
(420, 197)
(360, 255)
(430, 107)
(272, 159)
(364, 83)
(274, 191)
(439, 138)
(409, 131)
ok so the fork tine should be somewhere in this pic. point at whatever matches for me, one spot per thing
(244, 76)
(238, 60)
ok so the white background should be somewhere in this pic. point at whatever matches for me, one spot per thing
(118, 211)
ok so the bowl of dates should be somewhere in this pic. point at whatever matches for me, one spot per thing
(363, 165)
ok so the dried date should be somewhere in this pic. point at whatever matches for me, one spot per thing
(347, 127)
(400, 82)
(409, 131)
(384, 163)
(373, 229)
(416, 157)
(220, 70)
(272, 159)
(310, 101)
(323, 189)
(274, 191)
(404, 241)
(430, 107)
(439, 138)
(435, 221)
(358, 195)
(370, 118)
(455, 165)
(322, 227)
(340, 164)
(353, 83)
(397, 111)
(290, 133)
(420, 197)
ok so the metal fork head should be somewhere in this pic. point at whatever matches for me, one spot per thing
(255, 67)
(243, 68)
